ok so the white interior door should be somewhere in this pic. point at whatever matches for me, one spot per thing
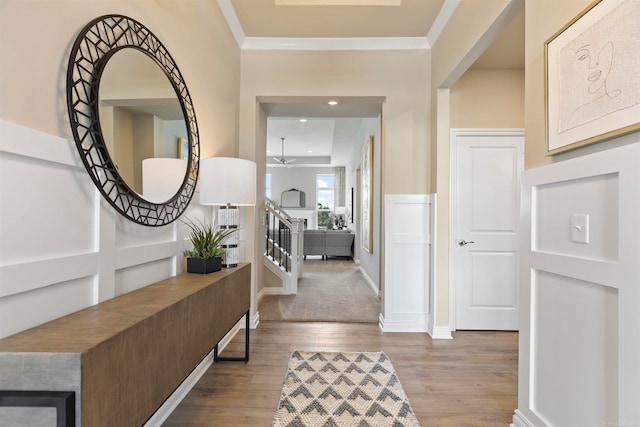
(486, 172)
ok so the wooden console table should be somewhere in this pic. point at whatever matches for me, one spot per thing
(124, 357)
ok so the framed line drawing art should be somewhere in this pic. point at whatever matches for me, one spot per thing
(592, 76)
(366, 192)
(183, 148)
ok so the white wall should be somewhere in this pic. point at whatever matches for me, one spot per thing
(171, 131)
(579, 319)
(300, 178)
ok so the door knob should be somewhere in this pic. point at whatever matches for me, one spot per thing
(464, 242)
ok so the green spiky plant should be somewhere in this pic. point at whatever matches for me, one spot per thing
(206, 239)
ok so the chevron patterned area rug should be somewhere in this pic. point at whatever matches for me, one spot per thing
(324, 389)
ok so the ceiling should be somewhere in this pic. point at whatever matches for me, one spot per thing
(328, 135)
(334, 24)
(407, 18)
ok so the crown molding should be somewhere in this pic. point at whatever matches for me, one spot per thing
(337, 43)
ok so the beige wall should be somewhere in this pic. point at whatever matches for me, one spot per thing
(455, 51)
(33, 73)
(452, 54)
(449, 108)
(400, 76)
(471, 20)
(37, 36)
(479, 99)
(488, 99)
(543, 19)
(123, 153)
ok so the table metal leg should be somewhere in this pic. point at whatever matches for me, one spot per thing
(245, 359)
(63, 401)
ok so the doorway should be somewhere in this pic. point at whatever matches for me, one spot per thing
(297, 165)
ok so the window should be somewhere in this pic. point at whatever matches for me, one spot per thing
(268, 186)
(324, 199)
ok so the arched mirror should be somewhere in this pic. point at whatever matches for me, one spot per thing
(133, 120)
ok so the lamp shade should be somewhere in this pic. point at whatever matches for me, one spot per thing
(162, 178)
(227, 180)
(340, 210)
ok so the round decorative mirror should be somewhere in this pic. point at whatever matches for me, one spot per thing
(142, 124)
(132, 120)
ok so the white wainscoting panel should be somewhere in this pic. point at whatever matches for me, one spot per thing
(591, 377)
(24, 310)
(580, 318)
(554, 207)
(407, 265)
(62, 247)
(138, 276)
(33, 228)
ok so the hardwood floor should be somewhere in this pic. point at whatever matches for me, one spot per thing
(468, 381)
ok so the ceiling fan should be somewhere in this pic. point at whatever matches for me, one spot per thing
(282, 160)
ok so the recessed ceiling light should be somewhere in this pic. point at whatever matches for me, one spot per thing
(268, 151)
(303, 120)
(332, 102)
(310, 151)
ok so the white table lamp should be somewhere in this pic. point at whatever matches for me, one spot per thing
(228, 182)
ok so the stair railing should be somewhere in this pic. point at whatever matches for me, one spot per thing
(284, 243)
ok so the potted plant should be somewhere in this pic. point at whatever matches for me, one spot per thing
(206, 255)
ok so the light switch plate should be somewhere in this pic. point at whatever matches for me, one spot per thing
(580, 228)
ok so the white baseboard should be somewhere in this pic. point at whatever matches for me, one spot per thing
(519, 420)
(439, 332)
(271, 290)
(172, 402)
(410, 325)
(255, 321)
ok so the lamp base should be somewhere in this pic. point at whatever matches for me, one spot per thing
(228, 218)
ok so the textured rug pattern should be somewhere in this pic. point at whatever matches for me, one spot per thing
(325, 389)
(330, 291)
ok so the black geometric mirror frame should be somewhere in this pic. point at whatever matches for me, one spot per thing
(95, 44)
